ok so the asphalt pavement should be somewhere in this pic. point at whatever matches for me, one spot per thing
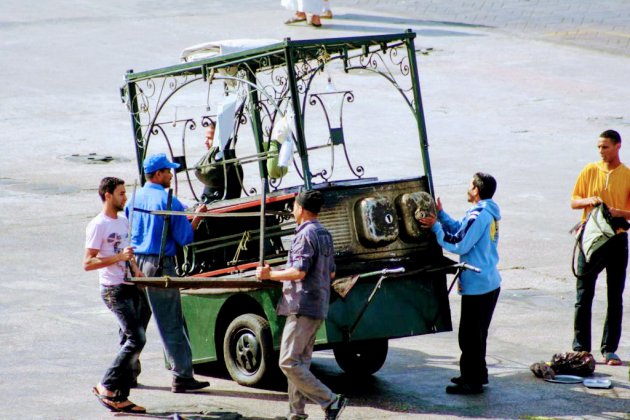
(520, 89)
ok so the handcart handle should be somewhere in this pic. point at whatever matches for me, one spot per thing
(465, 266)
(388, 271)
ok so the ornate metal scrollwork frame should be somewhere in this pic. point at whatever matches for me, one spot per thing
(270, 74)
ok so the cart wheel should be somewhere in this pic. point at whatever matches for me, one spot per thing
(361, 357)
(248, 349)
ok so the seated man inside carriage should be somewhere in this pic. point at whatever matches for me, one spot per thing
(214, 177)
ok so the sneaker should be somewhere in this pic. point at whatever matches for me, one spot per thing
(464, 389)
(187, 384)
(334, 410)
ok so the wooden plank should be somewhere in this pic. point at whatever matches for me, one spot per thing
(207, 283)
(241, 267)
(191, 214)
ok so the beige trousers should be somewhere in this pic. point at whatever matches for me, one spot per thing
(296, 350)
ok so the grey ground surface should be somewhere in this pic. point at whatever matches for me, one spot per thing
(520, 89)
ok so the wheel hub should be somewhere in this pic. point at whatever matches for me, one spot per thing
(247, 351)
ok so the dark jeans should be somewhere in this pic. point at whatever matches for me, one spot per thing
(123, 301)
(474, 322)
(612, 256)
(166, 307)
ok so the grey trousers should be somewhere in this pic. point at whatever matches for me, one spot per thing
(296, 350)
(166, 306)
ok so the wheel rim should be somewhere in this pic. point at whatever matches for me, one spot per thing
(246, 351)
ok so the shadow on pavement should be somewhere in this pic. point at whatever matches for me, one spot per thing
(402, 20)
(392, 29)
(413, 382)
(202, 416)
(363, 25)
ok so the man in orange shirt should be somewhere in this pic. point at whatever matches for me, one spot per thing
(606, 181)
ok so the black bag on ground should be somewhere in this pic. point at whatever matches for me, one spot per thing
(580, 363)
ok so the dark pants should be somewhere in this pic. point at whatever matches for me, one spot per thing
(166, 307)
(123, 301)
(612, 256)
(474, 322)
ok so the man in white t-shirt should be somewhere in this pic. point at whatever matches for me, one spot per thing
(107, 250)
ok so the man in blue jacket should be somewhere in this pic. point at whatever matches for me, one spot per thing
(474, 238)
(146, 239)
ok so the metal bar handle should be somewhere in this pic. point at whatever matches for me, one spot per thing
(389, 271)
(465, 266)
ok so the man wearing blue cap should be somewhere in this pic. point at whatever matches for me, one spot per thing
(146, 239)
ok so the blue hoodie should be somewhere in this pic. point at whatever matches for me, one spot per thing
(474, 238)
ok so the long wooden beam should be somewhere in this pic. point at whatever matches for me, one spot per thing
(205, 282)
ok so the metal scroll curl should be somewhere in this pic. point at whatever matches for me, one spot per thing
(381, 62)
(344, 96)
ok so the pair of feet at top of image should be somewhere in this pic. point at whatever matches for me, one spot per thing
(315, 19)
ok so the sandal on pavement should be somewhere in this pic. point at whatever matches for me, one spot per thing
(316, 23)
(112, 403)
(132, 408)
(295, 19)
(107, 401)
(611, 359)
(327, 15)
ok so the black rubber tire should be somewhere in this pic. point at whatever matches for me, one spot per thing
(361, 358)
(248, 349)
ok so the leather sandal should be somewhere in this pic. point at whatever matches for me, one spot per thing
(611, 359)
(295, 19)
(112, 403)
(316, 24)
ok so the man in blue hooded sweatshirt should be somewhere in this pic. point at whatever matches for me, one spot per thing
(474, 238)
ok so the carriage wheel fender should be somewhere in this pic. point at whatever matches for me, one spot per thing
(361, 357)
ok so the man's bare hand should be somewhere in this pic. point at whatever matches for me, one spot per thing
(263, 273)
(438, 204)
(196, 219)
(126, 254)
(593, 201)
(427, 222)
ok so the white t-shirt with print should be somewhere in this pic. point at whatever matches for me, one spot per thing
(109, 236)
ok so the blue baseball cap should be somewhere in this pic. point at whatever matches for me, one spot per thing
(156, 162)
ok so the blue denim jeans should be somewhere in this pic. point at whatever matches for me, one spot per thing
(123, 301)
(166, 307)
